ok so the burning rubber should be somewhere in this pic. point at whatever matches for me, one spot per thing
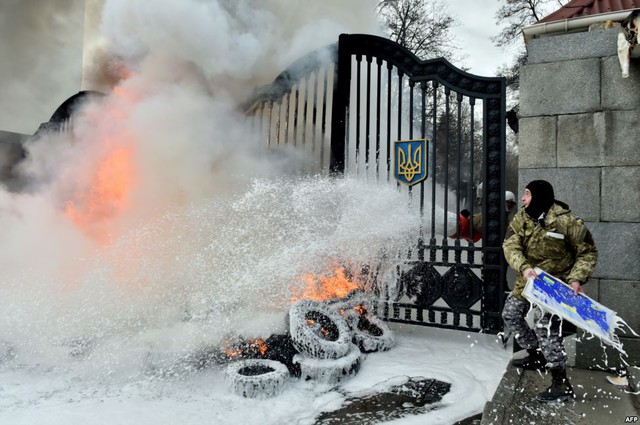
(351, 306)
(257, 378)
(372, 334)
(329, 338)
(318, 331)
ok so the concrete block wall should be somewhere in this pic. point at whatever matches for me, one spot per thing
(580, 130)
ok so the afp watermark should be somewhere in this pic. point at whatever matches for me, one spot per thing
(631, 419)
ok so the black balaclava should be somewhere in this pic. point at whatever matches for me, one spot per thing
(542, 198)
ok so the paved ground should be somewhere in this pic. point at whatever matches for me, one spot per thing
(597, 401)
(414, 397)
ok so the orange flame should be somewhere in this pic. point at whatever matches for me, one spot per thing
(361, 310)
(232, 352)
(230, 348)
(106, 192)
(260, 345)
(321, 288)
(240, 349)
(107, 195)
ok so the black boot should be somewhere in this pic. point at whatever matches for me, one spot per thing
(560, 389)
(534, 361)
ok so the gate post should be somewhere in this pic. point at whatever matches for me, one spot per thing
(340, 108)
(494, 283)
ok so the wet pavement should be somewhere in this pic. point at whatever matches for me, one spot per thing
(597, 401)
(416, 396)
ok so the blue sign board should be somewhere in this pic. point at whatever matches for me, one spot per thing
(555, 296)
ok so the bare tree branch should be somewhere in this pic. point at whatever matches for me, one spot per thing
(422, 26)
(514, 15)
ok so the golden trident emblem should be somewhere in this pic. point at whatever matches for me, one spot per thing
(410, 161)
(409, 165)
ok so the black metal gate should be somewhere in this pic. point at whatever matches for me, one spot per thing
(347, 103)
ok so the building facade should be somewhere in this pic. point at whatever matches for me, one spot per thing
(579, 122)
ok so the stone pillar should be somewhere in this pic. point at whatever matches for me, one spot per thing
(579, 129)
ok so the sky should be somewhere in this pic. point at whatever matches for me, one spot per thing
(477, 24)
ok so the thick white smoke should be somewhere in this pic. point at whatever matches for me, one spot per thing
(209, 232)
(236, 44)
(41, 51)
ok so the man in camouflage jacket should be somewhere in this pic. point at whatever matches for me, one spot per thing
(547, 235)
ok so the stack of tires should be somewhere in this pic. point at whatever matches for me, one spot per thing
(323, 339)
(331, 337)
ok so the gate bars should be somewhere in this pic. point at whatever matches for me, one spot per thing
(294, 110)
(370, 91)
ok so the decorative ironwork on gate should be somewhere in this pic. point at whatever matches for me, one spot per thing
(348, 103)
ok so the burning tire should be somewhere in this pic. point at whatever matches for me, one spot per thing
(372, 334)
(329, 371)
(351, 306)
(318, 331)
(256, 378)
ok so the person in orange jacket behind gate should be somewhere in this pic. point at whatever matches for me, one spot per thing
(467, 223)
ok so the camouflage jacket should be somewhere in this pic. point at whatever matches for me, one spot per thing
(564, 247)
